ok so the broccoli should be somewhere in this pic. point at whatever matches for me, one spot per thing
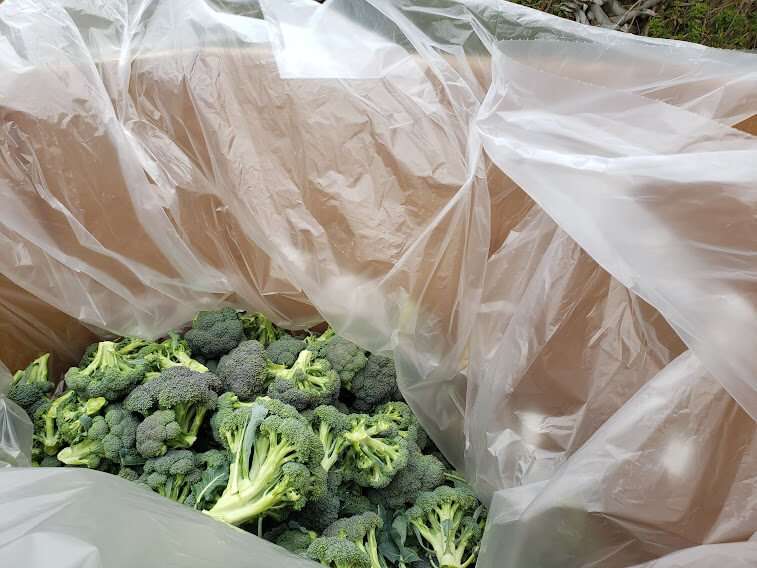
(50, 461)
(109, 374)
(214, 333)
(324, 504)
(346, 358)
(399, 415)
(317, 343)
(308, 383)
(273, 452)
(174, 352)
(214, 465)
(374, 453)
(330, 424)
(157, 433)
(336, 552)
(74, 417)
(375, 383)
(135, 347)
(46, 433)
(257, 326)
(128, 473)
(172, 475)
(353, 500)
(296, 540)
(244, 370)
(360, 529)
(284, 351)
(188, 393)
(447, 525)
(90, 451)
(29, 387)
(422, 473)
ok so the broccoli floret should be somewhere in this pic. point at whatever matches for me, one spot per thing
(273, 453)
(214, 333)
(30, 386)
(296, 540)
(353, 500)
(374, 454)
(173, 475)
(128, 473)
(157, 433)
(324, 504)
(447, 523)
(214, 465)
(257, 326)
(188, 393)
(90, 451)
(284, 351)
(308, 383)
(361, 530)
(337, 552)
(244, 370)
(109, 375)
(399, 415)
(346, 358)
(174, 352)
(119, 444)
(330, 425)
(47, 436)
(375, 383)
(422, 473)
(74, 417)
(317, 343)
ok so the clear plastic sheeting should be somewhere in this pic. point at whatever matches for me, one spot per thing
(551, 227)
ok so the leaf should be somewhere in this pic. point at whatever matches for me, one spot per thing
(410, 555)
(389, 551)
(399, 529)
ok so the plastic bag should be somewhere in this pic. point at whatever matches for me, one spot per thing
(362, 162)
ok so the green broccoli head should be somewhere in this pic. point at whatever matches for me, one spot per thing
(190, 394)
(119, 444)
(173, 352)
(373, 454)
(47, 434)
(158, 432)
(257, 326)
(308, 383)
(336, 552)
(447, 521)
(362, 530)
(172, 475)
(243, 370)
(375, 383)
(284, 351)
(30, 386)
(274, 452)
(399, 416)
(330, 424)
(296, 540)
(74, 417)
(214, 333)
(324, 504)
(354, 502)
(90, 452)
(346, 358)
(109, 374)
(317, 343)
(422, 473)
(128, 473)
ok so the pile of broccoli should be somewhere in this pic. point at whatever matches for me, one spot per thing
(302, 438)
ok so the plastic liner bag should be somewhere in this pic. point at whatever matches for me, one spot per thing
(536, 218)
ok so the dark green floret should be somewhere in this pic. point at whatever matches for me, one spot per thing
(215, 333)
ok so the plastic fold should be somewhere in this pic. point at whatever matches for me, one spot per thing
(552, 227)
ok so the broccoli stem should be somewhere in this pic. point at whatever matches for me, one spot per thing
(189, 417)
(80, 453)
(241, 509)
(51, 437)
(332, 446)
(441, 533)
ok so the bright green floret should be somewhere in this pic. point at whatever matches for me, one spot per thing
(214, 333)
(331, 425)
(257, 326)
(375, 383)
(273, 452)
(244, 370)
(109, 374)
(90, 451)
(284, 351)
(361, 530)
(74, 417)
(446, 524)
(336, 552)
(189, 394)
(159, 432)
(374, 453)
(399, 416)
(308, 383)
(174, 352)
(317, 343)
(29, 386)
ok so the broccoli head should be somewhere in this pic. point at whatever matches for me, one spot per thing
(447, 522)
(30, 386)
(257, 326)
(296, 540)
(422, 473)
(336, 552)
(308, 383)
(331, 425)
(374, 453)
(375, 383)
(346, 358)
(317, 343)
(158, 432)
(274, 452)
(244, 370)
(361, 530)
(399, 415)
(324, 504)
(354, 502)
(189, 394)
(214, 333)
(47, 435)
(128, 473)
(74, 417)
(109, 374)
(172, 475)
(90, 452)
(284, 351)
(173, 352)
